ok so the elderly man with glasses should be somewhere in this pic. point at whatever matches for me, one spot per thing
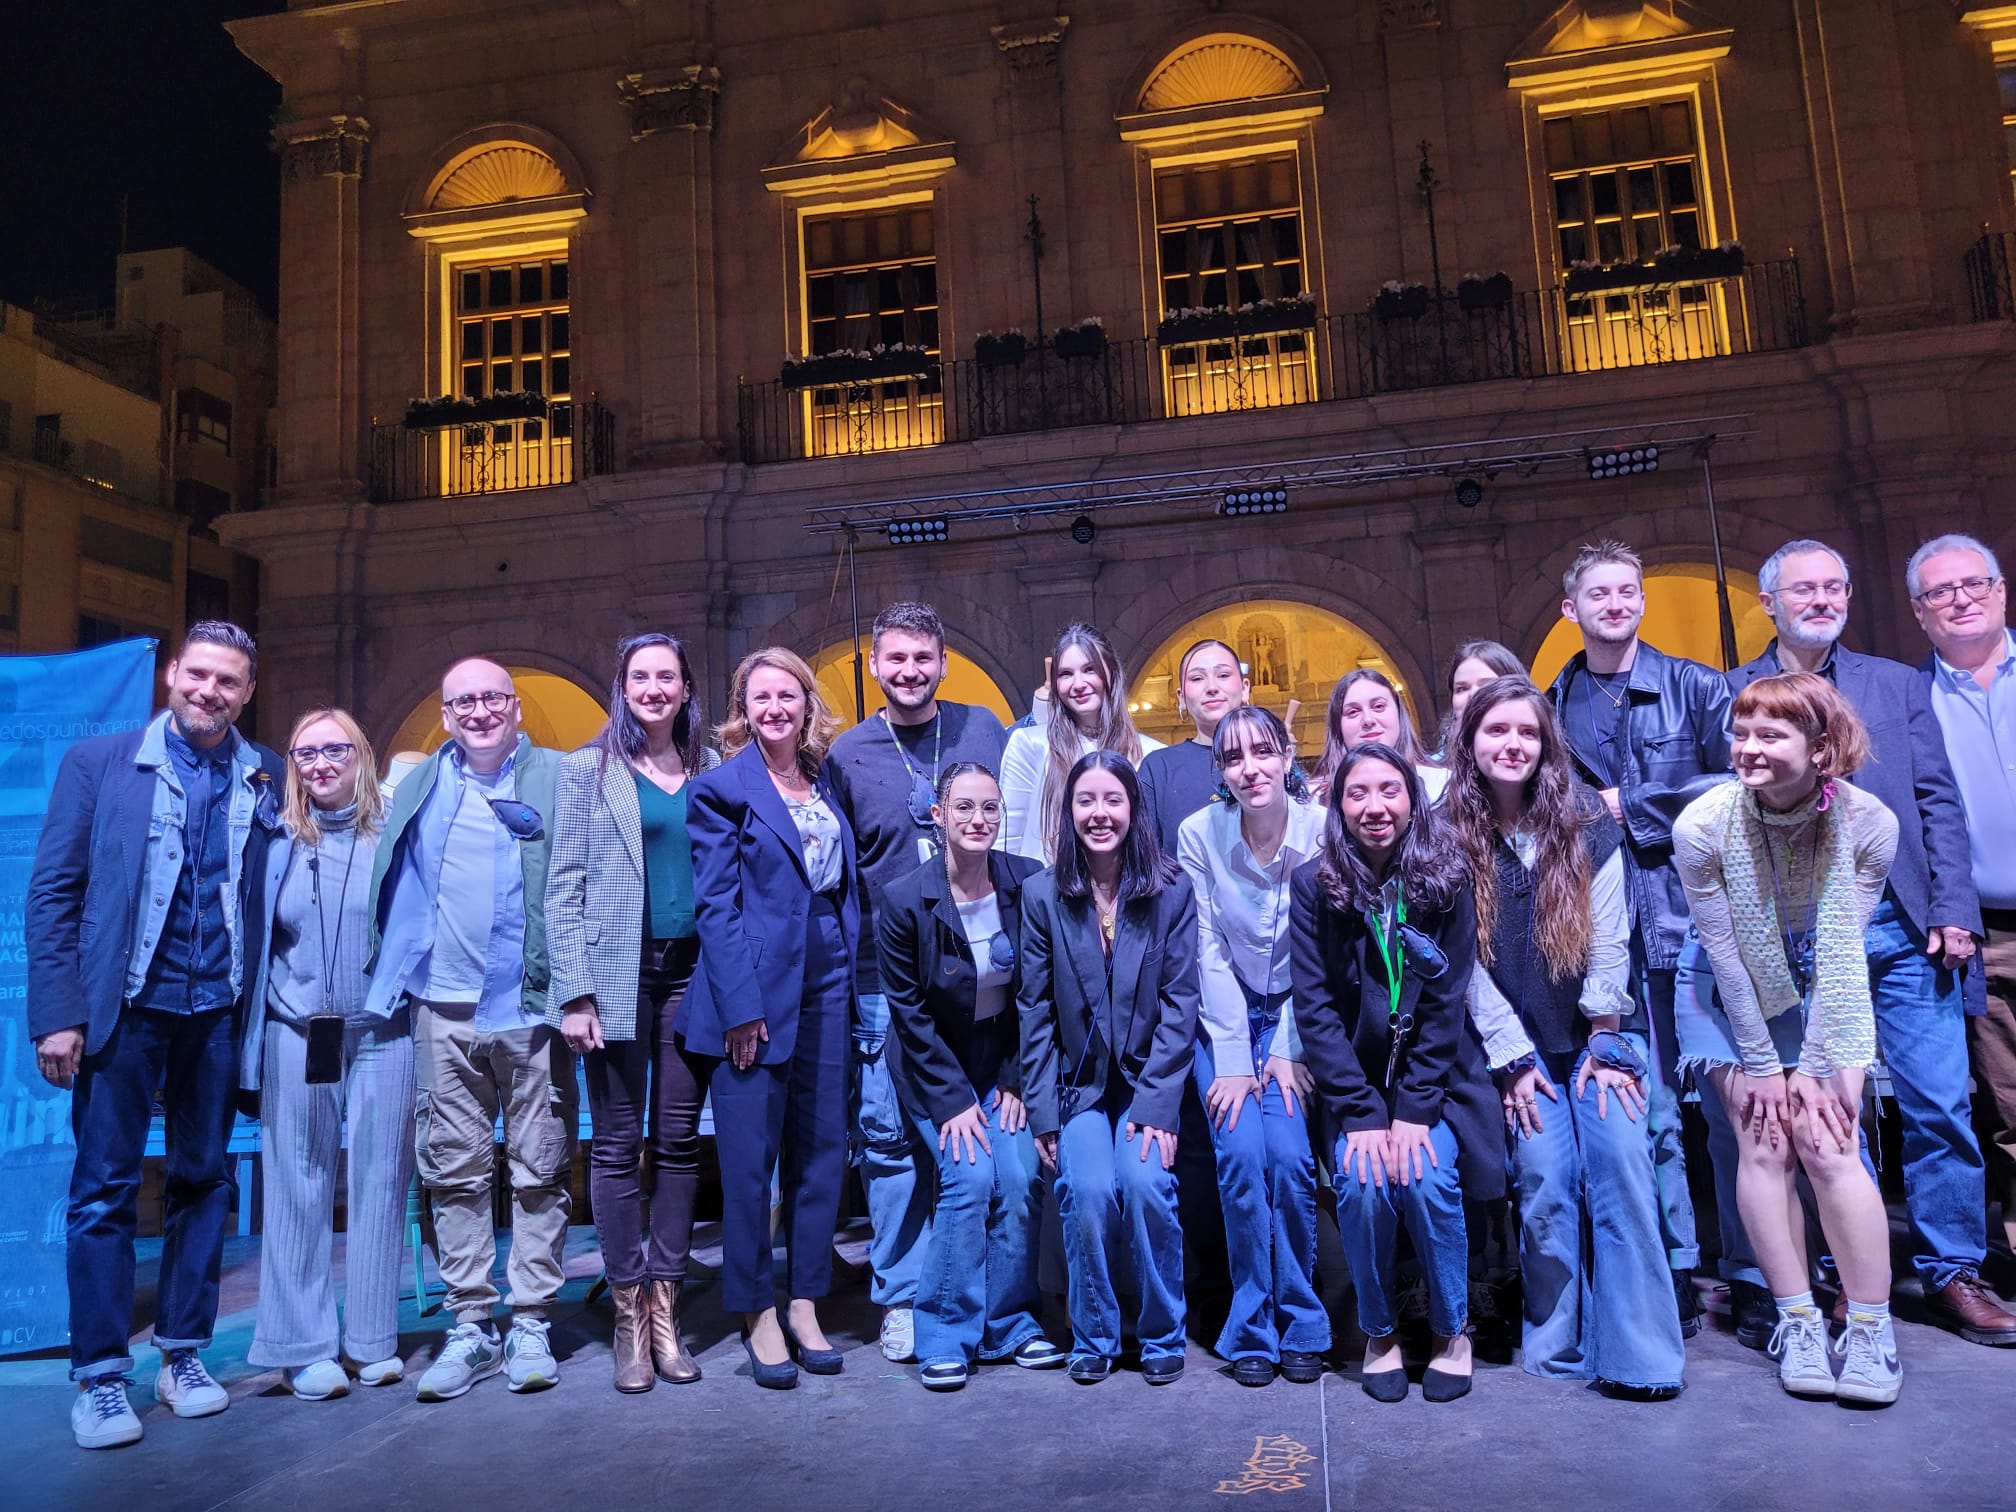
(458, 889)
(1918, 943)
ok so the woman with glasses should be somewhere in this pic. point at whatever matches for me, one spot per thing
(1086, 711)
(1366, 708)
(776, 898)
(946, 937)
(622, 939)
(321, 1063)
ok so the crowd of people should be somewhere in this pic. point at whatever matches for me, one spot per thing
(1458, 987)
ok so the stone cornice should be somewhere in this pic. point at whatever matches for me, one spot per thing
(670, 99)
(334, 146)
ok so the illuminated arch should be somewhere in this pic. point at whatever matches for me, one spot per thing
(965, 682)
(1681, 619)
(506, 175)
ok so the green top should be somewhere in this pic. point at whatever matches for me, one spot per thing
(668, 862)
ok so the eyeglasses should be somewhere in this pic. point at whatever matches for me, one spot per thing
(496, 702)
(337, 753)
(1805, 593)
(1975, 589)
(966, 808)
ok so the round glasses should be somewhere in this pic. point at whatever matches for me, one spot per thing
(493, 700)
(336, 753)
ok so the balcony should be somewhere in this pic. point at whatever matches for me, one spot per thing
(575, 440)
(1989, 290)
(1434, 342)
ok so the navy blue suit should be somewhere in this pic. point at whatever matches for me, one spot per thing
(771, 949)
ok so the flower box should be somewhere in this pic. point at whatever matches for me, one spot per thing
(1005, 350)
(1401, 302)
(1087, 339)
(835, 368)
(1674, 265)
(446, 412)
(1188, 327)
(1265, 315)
(1492, 293)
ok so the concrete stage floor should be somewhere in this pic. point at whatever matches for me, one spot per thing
(872, 1438)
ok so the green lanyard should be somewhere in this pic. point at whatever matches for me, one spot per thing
(1395, 957)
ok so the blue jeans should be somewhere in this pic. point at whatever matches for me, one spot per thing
(976, 1291)
(193, 1060)
(1267, 1188)
(899, 1206)
(1102, 1182)
(1368, 1222)
(1599, 1296)
(1653, 988)
(1921, 1033)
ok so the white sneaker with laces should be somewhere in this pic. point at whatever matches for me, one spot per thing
(1799, 1343)
(319, 1382)
(101, 1417)
(187, 1387)
(381, 1372)
(470, 1353)
(1871, 1371)
(899, 1333)
(528, 1356)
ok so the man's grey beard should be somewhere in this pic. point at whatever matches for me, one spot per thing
(1807, 635)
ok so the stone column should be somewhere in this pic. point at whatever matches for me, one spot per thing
(1057, 594)
(1463, 587)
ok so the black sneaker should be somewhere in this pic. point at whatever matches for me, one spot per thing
(1162, 1369)
(1251, 1371)
(1089, 1370)
(1303, 1369)
(1689, 1303)
(1753, 1314)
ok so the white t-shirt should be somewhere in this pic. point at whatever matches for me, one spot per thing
(1025, 772)
(982, 921)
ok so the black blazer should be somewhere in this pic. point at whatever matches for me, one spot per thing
(1342, 1013)
(929, 977)
(1064, 994)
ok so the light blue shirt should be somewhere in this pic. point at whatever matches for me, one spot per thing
(427, 889)
(1980, 728)
(164, 850)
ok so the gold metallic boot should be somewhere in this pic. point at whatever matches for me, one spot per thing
(632, 1344)
(668, 1352)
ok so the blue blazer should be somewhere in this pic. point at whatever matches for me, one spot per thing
(90, 866)
(1932, 878)
(752, 901)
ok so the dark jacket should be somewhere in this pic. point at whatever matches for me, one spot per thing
(1342, 1011)
(1932, 878)
(1064, 994)
(752, 901)
(1676, 743)
(90, 868)
(928, 972)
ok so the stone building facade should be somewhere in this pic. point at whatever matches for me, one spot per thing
(639, 210)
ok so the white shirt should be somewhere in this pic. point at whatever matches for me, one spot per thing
(1605, 985)
(981, 920)
(1025, 773)
(1242, 924)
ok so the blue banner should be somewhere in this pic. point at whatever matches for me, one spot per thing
(47, 705)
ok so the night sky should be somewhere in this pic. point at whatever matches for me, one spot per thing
(146, 99)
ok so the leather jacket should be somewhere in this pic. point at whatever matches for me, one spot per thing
(1675, 748)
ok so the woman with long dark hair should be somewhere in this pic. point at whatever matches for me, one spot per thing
(1240, 854)
(1475, 663)
(946, 935)
(1086, 711)
(1549, 1000)
(1108, 1007)
(1366, 708)
(1382, 942)
(1180, 779)
(623, 942)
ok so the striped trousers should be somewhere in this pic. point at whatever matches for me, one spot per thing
(303, 1137)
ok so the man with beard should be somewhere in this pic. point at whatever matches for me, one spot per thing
(141, 939)
(885, 771)
(1921, 936)
(1650, 733)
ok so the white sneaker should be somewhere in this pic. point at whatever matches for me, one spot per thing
(470, 1353)
(101, 1417)
(1871, 1372)
(899, 1333)
(318, 1382)
(528, 1356)
(187, 1387)
(381, 1372)
(1799, 1343)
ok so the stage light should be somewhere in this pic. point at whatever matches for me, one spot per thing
(1252, 501)
(1083, 530)
(1616, 464)
(917, 532)
(1469, 492)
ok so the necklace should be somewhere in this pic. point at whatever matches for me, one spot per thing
(1108, 911)
(1624, 684)
(792, 781)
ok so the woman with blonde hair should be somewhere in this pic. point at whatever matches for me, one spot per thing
(774, 883)
(1086, 712)
(319, 1062)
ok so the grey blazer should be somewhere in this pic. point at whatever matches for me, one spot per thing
(595, 890)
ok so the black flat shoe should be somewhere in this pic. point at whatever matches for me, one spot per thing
(1301, 1368)
(1163, 1369)
(780, 1377)
(1252, 1371)
(1443, 1385)
(1090, 1370)
(812, 1361)
(1385, 1385)
(1617, 1391)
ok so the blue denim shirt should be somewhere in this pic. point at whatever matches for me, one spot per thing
(1980, 728)
(166, 831)
(410, 921)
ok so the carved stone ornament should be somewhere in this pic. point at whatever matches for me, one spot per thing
(312, 150)
(1408, 15)
(1031, 48)
(670, 99)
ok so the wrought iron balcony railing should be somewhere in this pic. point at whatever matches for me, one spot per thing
(576, 439)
